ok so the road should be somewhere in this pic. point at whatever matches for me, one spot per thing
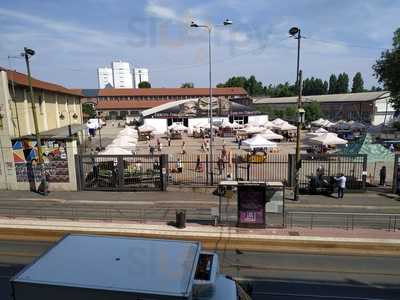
(280, 276)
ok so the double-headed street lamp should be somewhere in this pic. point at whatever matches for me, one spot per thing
(296, 33)
(209, 29)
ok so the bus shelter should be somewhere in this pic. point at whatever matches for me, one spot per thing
(251, 204)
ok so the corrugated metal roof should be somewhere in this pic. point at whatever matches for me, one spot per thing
(350, 97)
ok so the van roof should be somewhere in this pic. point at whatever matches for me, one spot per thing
(136, 265)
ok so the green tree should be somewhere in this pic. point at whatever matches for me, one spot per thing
(314, 86)
(254, 87)
(88, 109)
(312, 111)
(332, 84)
(187, 85)
(342, 84)
(358, 83)
(235, 81)
(144, 85)
(290, 113)
(387, 70)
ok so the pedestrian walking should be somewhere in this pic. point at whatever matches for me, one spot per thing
(179, 165)
(183, 148)
(220, 164)
(169, 141)
(341, 185)
(223, 152)
(391, 148)
(382, 176)
(240, 143)
(198, 163)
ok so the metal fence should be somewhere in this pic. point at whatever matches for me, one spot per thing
(354, 167)
(121, 172)
(196, 169)
(347, 221)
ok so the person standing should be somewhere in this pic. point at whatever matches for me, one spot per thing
(391, 148)
(382, 176)
(197, 168)
(179, 165)
(341, 185)
(169, 141)
(183, 148)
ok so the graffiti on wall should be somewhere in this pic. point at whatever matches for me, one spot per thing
(55, 160)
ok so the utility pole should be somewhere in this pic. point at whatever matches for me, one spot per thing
(300, 121)
(296, 33)
(27, 53)
(209, 29)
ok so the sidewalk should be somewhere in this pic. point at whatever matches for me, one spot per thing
(368, 200)
(229, 238)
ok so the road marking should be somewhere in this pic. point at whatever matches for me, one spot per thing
(315, 296)
(281, 268)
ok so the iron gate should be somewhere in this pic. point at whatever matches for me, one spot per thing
(396, 175)
(122, 172)
(354, 167)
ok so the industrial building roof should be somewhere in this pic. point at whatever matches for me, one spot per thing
(350, 97)
(135, 265)
(129, 104)
(233, 91)
(22, 79)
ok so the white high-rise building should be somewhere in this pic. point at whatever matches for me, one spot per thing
(122, 74)
(105, 77)
(140, 75)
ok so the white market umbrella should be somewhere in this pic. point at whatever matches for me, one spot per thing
(357, 125)
(270, 135)
(177, 127)
(328, 139)
(226, 124)
(287, 127)
(258, 142)
(318, 122)
(269, 125)
(252, 129)
(115, 151)
(278, 122)
(321, 130)
(236, 125)
(146, 128)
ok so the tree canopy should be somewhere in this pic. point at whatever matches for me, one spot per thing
(312, 111)
(187, 85)
(342, 86)
(88, 110)
(387, 70)
(144, 85)
(358, 83)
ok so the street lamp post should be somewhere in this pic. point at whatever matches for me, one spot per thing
(27, 54)
(296, 33)
(209, 29)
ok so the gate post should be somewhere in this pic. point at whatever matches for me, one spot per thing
(395, 173)
(120, 172)
(248, 168)
(291, 169)
(163, 172)
(79, 172)
(236, 167)
(364, 173)
(207, 169)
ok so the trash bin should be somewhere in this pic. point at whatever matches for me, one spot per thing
(181, 219)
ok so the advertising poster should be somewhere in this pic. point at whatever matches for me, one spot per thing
(251, 206)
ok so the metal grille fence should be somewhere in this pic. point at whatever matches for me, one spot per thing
(119, 172)
(196, 169)
(354, 167)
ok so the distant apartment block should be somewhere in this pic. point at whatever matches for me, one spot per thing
(140, 75)
(122, 74)
(105, 77)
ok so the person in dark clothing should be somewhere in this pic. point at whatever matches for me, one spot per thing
(382, 176)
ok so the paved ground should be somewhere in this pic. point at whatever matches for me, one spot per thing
(279, 276)
(368, 210)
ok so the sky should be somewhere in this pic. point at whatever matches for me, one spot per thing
(73, 38)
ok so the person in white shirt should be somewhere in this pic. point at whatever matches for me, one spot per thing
(341, 185)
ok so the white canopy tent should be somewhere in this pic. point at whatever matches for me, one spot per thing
(287, 127)
(258, 142)
(126, 138)
(146, 128)
(226, 124)
(327, 139)
(318, 122)
(236, 125)
(270, 135)
(279, 122)
(251, 129)
(321, 130)
(269, 125)
(115, 151)
(177, 127)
